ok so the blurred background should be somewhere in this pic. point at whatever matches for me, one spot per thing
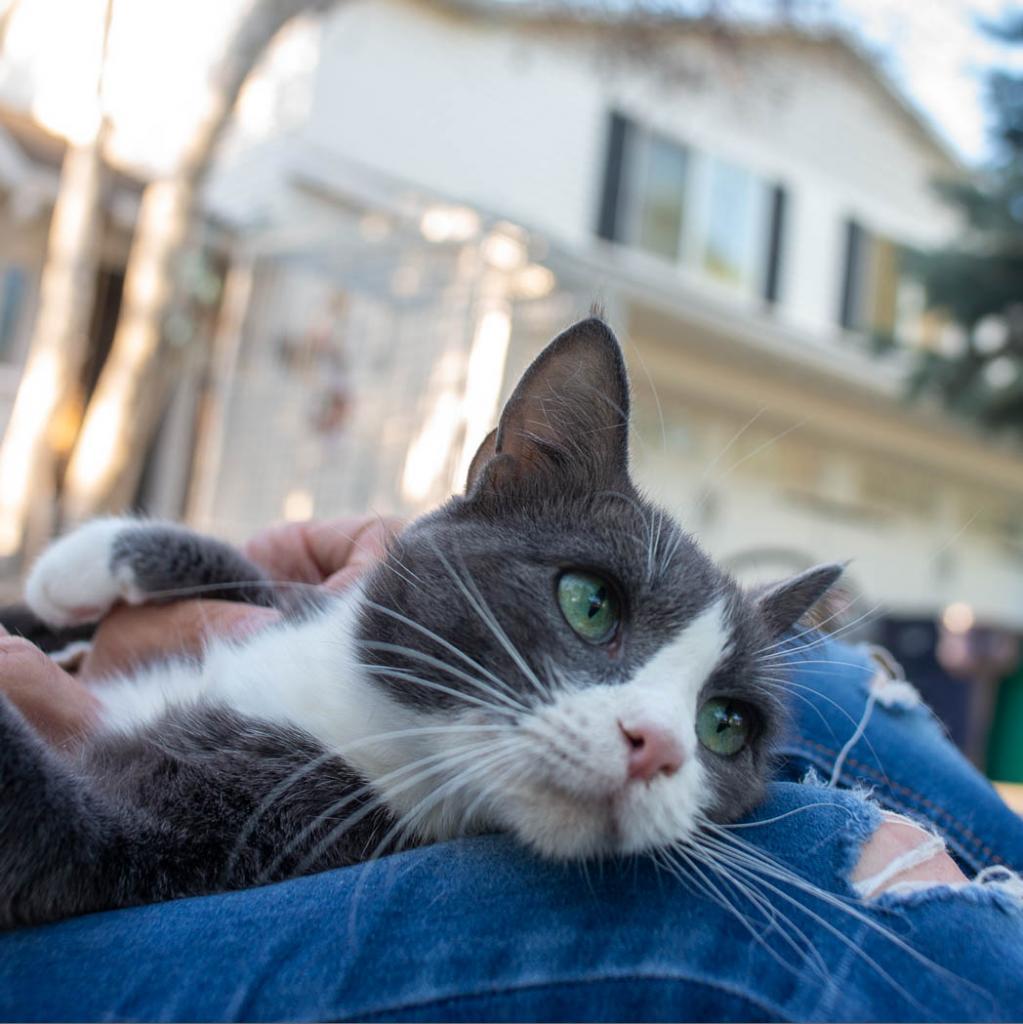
(274, 259)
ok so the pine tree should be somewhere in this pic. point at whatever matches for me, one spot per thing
(978, 282)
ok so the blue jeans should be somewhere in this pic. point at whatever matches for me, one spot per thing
(480, 929)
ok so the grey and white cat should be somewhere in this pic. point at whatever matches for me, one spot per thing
(547, 655)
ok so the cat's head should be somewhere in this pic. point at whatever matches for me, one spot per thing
(594, 683)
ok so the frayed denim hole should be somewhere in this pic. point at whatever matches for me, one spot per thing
(929, 846)
(967, 849)
(995, 887)
(862, 821)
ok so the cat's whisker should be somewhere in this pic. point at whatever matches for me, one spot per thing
(760, 822)
(201, 589)
(657, 398)
(487, 617)
(668, 558)
(387, 557)
(751, 455)
(694, 854)
(508, 751)
(789, 644)
(754, 869)
(792, 686)
(440, 641)
(436, 762)
(428, 659)
(300, 773)
(487, 791)
(429, 684)
(705, 477)
(450, 761)
(750, 860)
(787, 930)
(792, 641)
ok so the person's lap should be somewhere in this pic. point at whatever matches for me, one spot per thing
(479, 929)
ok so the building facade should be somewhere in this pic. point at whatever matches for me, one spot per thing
(467, 180)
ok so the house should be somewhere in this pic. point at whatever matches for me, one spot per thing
(469, 176)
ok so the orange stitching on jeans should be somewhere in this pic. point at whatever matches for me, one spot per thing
(964, 832)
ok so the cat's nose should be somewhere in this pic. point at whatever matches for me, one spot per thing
(653, 750)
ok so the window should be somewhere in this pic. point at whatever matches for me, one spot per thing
(13, 286)
(691, 209)
(660, 197)
(732, 240)
(870, 281)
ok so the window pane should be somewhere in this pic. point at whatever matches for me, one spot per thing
(661, 199)
(732, 226)
(872, 282)
(885, 285)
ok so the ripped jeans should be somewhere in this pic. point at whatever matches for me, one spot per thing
(763, 923)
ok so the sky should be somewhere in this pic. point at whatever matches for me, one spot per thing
(937, 53)
(934, 50)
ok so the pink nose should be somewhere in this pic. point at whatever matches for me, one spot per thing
(653, 750)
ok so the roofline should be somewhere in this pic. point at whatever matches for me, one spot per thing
(565, 13)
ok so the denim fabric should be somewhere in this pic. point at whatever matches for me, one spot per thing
(479, 929)
(902, 757)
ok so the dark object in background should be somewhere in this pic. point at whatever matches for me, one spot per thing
(1005, 744)
(914, 643)
(19, 621)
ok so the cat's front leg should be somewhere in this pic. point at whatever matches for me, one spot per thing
(82, 575)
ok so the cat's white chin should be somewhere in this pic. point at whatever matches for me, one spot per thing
(562, 826)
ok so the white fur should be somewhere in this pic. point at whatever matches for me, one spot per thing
(73, 582)
(305, 675)
(574, 797)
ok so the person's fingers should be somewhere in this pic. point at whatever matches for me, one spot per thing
(368, 547)
(56, 704)
(335, 552)
(133, 636)
(284, 553)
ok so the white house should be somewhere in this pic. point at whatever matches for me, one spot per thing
(470, 176)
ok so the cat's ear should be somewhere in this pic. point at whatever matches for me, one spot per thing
(567, 419)
(484, 454)
(783, 604)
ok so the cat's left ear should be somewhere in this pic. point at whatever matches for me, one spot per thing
(783, 604)
(567, 419)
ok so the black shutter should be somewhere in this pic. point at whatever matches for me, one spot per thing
(852, 285)
(775, 243)
(608, 220)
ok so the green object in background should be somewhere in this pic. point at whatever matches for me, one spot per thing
(1005, 743)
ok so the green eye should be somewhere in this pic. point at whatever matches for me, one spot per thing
(723, 726)
(589, 606)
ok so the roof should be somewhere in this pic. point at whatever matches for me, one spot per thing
(656, 21)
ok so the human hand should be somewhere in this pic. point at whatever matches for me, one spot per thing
(328, 553)
(332, 554)
(57, 705)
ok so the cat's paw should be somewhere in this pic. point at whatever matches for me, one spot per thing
(76, 581)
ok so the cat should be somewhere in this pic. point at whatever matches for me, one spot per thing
(547, 655)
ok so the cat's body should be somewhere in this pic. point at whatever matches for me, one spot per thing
(548, 655)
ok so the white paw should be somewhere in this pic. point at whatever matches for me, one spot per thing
(73, 583)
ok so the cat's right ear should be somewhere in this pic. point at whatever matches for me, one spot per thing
(567, 421)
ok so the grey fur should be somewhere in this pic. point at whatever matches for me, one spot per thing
(168, 811)
(160, 814)
(166, 559)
